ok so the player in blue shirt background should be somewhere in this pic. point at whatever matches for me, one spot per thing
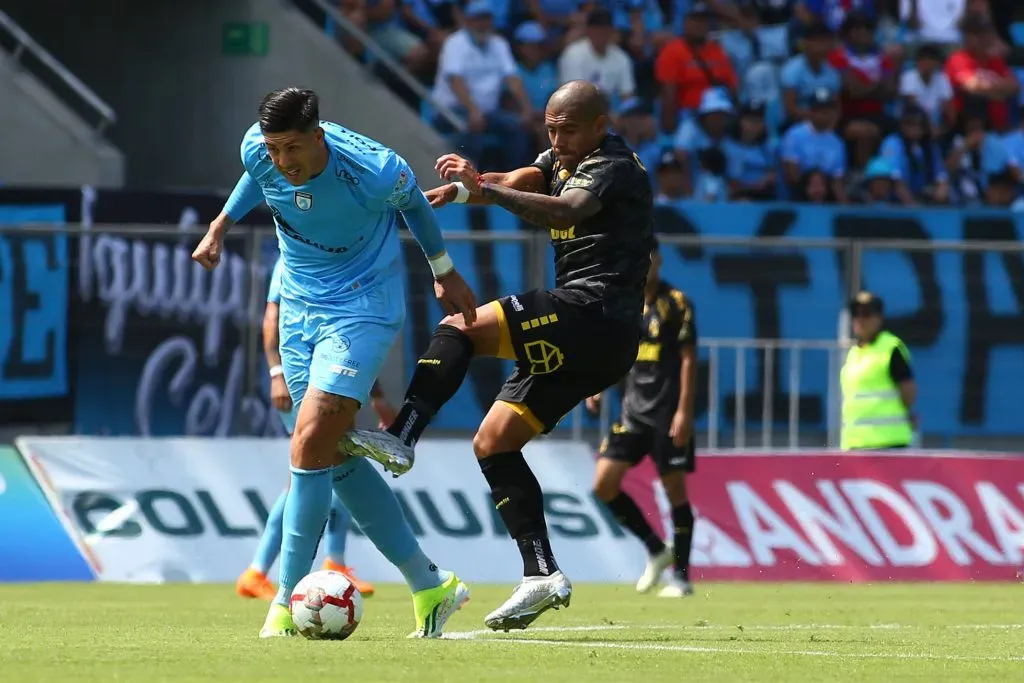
(254, 582)
(335, 196)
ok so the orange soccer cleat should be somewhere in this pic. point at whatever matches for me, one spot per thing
(364, 587)
(255, 584)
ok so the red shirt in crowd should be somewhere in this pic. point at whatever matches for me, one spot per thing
(862, 68)
(677, 65)
(962, 67)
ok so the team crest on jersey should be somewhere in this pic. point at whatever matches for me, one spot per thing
(304, 201)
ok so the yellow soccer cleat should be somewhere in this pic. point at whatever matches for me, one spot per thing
(435, 606)
(279, 623)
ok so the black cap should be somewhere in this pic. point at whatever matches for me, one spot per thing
(868, 302)
(600, 17)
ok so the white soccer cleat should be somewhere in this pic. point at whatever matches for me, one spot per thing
(656, 566)
(676, 588)
(383, 447)
(531, 598)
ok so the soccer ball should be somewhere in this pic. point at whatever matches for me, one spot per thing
(326, 606)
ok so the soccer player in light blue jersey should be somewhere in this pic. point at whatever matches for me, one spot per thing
(336, 196)
(254, 582)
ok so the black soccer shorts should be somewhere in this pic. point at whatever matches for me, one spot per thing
(564, 353)
(630, 443)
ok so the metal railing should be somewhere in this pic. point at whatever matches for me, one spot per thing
(769, 352)
(24, 44)
(760, 393)
(389, 62)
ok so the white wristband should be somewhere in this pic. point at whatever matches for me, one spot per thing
(461, 194)
(441, 265)
(276, 371)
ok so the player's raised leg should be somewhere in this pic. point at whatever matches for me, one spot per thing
(618, 454)
(438, 374)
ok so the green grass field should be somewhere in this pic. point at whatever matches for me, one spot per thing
(727, 632)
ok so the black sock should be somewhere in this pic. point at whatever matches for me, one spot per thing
(629, 516)
(438, 375)
(682, 520)
(520, 502)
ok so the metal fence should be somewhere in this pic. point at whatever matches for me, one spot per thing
(136, 310)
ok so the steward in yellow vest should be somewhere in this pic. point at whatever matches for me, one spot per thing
(877, 382)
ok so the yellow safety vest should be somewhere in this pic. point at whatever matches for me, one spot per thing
(873, 412)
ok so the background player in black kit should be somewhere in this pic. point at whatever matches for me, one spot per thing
(592, 194)
(657, 419)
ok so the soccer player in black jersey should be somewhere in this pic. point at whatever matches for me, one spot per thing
(592, 194)
(657, 419)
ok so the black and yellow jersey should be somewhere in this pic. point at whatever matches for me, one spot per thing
(604, 259)
(651, 391)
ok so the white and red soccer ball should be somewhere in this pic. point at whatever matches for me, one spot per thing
(326, 606)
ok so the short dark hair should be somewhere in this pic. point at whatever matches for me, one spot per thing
(289, 109)
(930, 51)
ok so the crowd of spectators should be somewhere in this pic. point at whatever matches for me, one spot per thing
(823, 101)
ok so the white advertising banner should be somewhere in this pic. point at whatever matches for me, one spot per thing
(192, 509)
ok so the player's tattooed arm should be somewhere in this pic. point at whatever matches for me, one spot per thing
(558, 213)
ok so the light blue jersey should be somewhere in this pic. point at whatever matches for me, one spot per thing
(339, 231)
(341, 295)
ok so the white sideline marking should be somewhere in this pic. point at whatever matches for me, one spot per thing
(488, 636)
(497, 635)
(728, 651)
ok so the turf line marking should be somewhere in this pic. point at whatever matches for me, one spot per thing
(473, 636)
(723, 650)
(498, 635)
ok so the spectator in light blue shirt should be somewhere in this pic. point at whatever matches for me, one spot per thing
(538, 72)
(708, 129)
(751, 160)
(918, 168)
(807, 73)
(814, 144)
(638, 127)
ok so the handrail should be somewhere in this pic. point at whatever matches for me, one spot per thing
(387, 60)
(24, 41)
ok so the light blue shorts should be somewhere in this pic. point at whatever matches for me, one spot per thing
(339, 350)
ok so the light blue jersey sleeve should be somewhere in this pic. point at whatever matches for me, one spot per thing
(247, 193)
(398, 184)
(274, 292)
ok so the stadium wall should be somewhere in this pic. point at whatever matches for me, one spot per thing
(184, 103)
(958, 308)
(45, 144)
(158, 510)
